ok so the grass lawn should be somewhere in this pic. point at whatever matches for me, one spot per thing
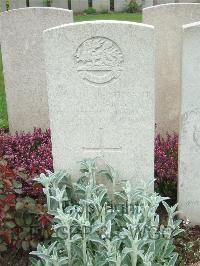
(3, 111)
(137, 17)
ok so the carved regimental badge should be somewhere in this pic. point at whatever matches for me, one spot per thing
(99, 60)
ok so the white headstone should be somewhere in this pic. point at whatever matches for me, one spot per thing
(79, 6)
(3, 5)
(23, 64)
(14, 4)
(37, 3)
(101, 5)
(100, 78)
(162, 2)
(120, 5)
(147, 3)
(189, 150)
(187, 1)
(60, 3)
(168, 20)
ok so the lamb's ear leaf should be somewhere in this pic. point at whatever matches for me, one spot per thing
(106, 174)
(173, 260)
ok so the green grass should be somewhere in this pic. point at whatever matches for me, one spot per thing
(3, 111)
(137, 17)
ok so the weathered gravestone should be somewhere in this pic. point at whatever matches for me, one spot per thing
(120, 5)
(101, 5)
(60, 3)
(3, 5)
(79, 5)
(23, 64)
(14, 4)
(168, 20)
(101, 95)
(189, 150)
(162, 2)
(36, 3)
(146, 3)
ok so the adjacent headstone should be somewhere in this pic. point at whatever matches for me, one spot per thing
(146, 3)
(79, 6)
(60, 3)
(3, 5)
(101, 5)
(101, 95)
(162, 2)
(187, 1)
(37, 3)
(23, 64)
(168, 20)
(189, 148)
(120, 5)
(14, 4)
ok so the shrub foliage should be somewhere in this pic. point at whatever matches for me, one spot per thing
(28, 151)
(166, 166)
(94, 227)
(25, 155)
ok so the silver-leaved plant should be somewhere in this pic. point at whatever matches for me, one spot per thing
(96, 226)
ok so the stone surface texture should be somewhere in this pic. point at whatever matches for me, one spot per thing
(60, 3)
(23, 64)
(100, 78)
(120, 5)
(162, 2)
(101, 5)
(35, 3)
(14, 4)
(79, 6)
(168, 21)
(147, 3)
(189, 148)
(3, 5)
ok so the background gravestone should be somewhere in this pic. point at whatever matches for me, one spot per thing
(101, 95)
(3, 5)
(23, 64)
(35, 3)
(101, 5)
(162, 2)
(14, 4)
(79, 6)
(60, 3)
(189, 148)
(147, 3)
(168, 20)
(120, 5)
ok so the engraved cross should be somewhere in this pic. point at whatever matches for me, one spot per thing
(101, 147)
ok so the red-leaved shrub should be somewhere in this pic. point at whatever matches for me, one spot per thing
(166, 165)
(23, 216)
(28, 151)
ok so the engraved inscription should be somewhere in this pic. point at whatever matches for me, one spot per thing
(99, 60)
(101, 147)
(191, 120)
(196, 135)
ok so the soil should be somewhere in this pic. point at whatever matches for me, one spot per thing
(19, 258)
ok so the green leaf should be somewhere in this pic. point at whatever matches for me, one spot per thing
(16, 184)
(28, 219)
(173, 260)
(25, 245)
(19, 205)
(10, 224)
(3, 247)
